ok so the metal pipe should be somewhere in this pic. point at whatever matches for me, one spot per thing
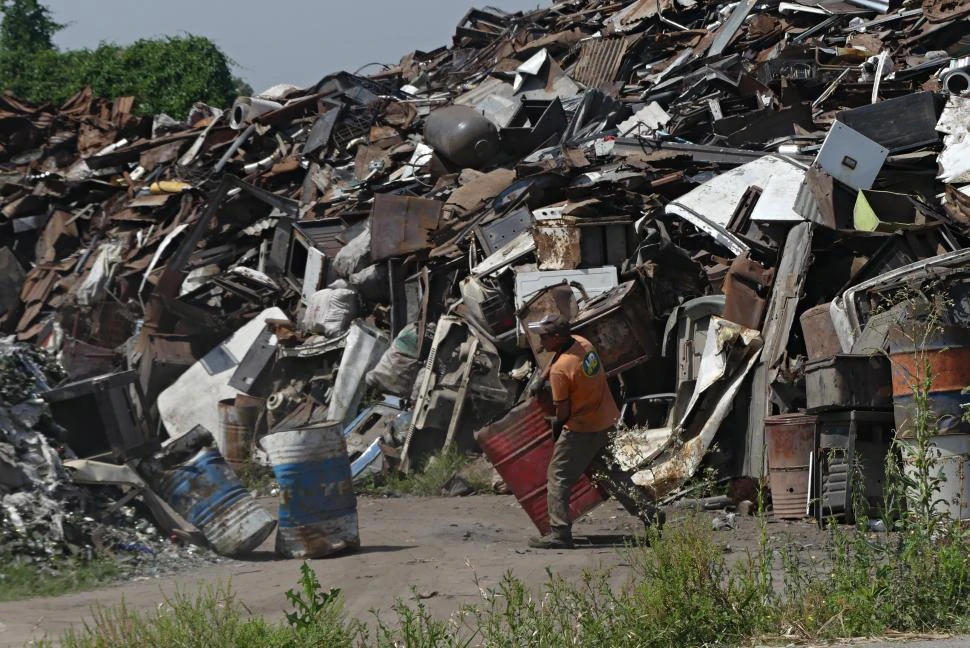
(875, 5)
(239, 141)
(246, 109)
(957, 82)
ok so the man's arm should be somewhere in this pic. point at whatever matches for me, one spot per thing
(563, 410)
(559, 382)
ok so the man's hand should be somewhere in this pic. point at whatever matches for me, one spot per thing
(557, 428)
(556, 425)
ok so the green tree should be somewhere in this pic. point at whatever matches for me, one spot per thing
(164, 74)
(27, 26)
(26, 43)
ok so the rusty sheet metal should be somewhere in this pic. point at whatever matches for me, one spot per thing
(150, 201)
(161, 155)
(557, 245)
(746, 288)
(945, 10)
(629, 17)
(12, 277)
(121, 109)
(600, 60)
(82, 360)
(957, 205)
(553, 299)
(401, 225)
(790, 279)
(613, 323)
(791, 440)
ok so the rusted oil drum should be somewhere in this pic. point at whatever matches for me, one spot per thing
(821, 340)
(205, 491)
(943, 362)
(791, 440)
(520, 447)
(236, 429)
(318, 507)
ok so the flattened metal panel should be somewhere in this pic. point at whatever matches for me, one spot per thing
(600, 61)
(401, 225)
(900, 124)
(850, 157)
(503, 230)
(785, 295)
(731, 27)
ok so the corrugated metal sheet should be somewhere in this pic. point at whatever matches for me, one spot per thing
(600, 61)
(630, 16)
(520, 447)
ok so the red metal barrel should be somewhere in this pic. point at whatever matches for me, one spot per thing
(520, 447)
(791, 440)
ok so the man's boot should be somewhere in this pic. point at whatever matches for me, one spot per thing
(556, 539)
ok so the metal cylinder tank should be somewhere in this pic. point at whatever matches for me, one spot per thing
(462, 136)
(948, 457)
(206, 492)
(941, 367)
(318, 507)
(791, 440)
(236, 429)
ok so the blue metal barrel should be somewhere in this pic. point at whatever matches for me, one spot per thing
(205, 491)
(318, 507)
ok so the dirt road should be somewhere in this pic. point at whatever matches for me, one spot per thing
(437, 547)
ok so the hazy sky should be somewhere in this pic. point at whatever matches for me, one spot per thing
(277, 41)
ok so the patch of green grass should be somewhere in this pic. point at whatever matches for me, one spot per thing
(21, 579)
(211, 619)
(429, 479)
(255, 476)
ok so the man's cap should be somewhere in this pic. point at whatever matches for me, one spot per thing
(553, 324)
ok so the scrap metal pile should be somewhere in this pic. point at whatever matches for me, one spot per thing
(45, 514)
(685, 180)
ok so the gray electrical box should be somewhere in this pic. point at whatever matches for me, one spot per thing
(850, 157)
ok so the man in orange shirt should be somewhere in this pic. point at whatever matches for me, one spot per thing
(586, 415)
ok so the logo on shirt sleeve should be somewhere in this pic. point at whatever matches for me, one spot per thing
(591, 364)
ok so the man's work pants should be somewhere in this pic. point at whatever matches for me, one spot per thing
(573, 453)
